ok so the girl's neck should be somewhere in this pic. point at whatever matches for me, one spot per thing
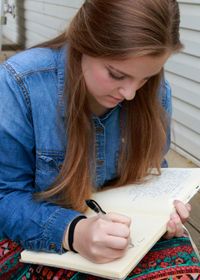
(96, 108)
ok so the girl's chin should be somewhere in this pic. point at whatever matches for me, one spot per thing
(109, 105)
(102, 105)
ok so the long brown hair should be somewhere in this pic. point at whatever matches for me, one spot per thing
(114, 29)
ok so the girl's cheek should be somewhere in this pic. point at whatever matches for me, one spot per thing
(103, 80)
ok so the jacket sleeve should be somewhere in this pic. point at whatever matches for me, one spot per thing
(166, 100)
(36, 225)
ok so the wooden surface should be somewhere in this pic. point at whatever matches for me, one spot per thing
(8, 49)
(193, 224)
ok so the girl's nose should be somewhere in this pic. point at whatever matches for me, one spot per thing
(128, 91)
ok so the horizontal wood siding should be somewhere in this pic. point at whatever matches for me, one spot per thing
(39, 20)
(183, 73)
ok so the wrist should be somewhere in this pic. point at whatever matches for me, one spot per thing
(65, 244)
(68, 239)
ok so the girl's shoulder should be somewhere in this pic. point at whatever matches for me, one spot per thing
(33, 60)
(35, 77)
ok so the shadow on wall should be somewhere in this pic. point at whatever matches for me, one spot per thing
(21, 24)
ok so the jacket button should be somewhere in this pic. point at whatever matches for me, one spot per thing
(99, 129)
(52, 246)
(99, 162)
(60, 166)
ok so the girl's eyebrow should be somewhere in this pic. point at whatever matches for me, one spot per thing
(125, 74)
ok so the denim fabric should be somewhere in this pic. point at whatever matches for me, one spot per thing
(33, 143)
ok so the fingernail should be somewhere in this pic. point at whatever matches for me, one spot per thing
(170, 230)
(174, 216)
(175, 201)
(189, 207)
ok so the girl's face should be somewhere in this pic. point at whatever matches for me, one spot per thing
(109, 82)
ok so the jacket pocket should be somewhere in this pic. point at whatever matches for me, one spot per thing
(47, 169)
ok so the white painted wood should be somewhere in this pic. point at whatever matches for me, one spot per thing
(185, 65)
(45, 20)
(54, 10)
(187, 115)
(191, 2)
(30, 38)
(186, 139)
(185, 154)
(1, 22)
(191, 41)
(190, 15)
(184, 89)
(70, 3)
(183, 73)
(38, 20)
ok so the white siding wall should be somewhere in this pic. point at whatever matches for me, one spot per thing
(38, 20)
(183, 73)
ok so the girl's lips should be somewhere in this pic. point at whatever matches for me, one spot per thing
(116, 99)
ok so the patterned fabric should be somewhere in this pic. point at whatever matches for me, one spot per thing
(168, 260)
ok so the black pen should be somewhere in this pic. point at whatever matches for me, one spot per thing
(93, 205)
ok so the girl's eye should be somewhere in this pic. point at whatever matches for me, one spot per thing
(113, 76)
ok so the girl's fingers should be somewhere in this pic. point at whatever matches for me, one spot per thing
(119, 218)
(189, 207)
(117, 243)
(178, 224)
(118, 230)
(174, 227)
(183, 210)
(171, 230)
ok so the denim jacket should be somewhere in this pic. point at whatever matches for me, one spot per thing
(33, 142)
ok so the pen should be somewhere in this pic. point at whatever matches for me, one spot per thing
(93, 205)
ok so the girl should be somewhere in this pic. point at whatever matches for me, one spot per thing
(87, 110)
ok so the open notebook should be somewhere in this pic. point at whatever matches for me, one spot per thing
(149, 205)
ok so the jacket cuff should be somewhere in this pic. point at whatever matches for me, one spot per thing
(55, 228)
(52, 237)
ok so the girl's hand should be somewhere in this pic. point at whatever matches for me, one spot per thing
(177, 219)
(102, 238)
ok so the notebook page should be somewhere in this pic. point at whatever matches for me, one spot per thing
(174, 183)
